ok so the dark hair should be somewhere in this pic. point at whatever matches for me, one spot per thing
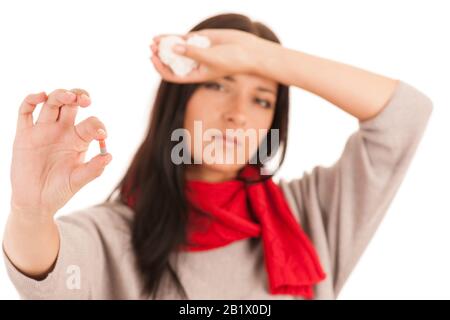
(160, 212)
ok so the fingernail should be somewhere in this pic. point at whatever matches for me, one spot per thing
(85, 97)
(101, 132)
(179, 48)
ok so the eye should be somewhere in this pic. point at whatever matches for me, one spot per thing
(213, 86)
(264, 103)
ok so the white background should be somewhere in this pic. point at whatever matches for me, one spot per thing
(102, 46)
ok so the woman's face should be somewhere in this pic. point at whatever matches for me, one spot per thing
(214, 112)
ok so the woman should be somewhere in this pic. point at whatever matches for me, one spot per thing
(210, 230)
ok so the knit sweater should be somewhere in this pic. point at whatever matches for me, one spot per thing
(339, 207)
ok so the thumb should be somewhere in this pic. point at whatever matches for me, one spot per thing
(86, 172)
(202, 55)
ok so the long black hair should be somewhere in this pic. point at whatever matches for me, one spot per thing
(160, 212)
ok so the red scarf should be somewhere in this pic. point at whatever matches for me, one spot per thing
(244, 210)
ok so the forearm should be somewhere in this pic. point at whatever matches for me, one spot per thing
(358, 92)
(31, 243)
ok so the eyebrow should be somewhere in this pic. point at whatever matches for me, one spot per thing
(259, 88)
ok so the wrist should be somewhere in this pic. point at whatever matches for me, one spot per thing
(265, 58)
(31, 215)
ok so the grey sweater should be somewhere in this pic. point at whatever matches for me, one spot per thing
(339, 207)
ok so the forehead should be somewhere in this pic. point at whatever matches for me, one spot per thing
(252, 80)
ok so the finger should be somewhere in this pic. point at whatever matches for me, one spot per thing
(88, 130)
(68, 112)
(158, 38)
(167, 74)
(25, 118)
(165, 71)
(194, 52)
(215, 36)
(201, 55)
(83, 97)
(50, 110)
(154, 48)
(202, 73)
(86, 172)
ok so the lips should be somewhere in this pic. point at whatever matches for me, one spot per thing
(228, 140)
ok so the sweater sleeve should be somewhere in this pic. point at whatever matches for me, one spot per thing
(80, 259)
(341, 206)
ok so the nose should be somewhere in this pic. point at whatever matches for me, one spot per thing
(235, 114)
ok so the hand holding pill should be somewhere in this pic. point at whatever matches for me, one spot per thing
(48, 165)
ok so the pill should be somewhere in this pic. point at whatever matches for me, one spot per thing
(102, 147)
